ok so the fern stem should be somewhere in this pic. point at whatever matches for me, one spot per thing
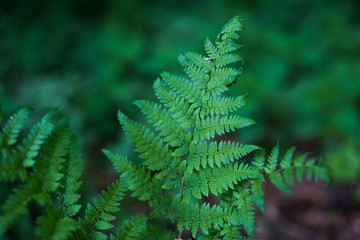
(179, 237)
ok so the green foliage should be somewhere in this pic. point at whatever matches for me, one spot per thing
(56, 151)
(98, 217)
(182, 159)
(281, 173)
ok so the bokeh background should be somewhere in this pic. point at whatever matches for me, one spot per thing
(301, 72)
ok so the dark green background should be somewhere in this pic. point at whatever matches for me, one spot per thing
(90, 58)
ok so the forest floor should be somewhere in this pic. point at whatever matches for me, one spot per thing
(315, 211)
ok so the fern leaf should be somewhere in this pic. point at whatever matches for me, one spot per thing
(286, 164)
(225, 59)
(54, 227)
(36, 138)
(108, 202)
(11, 130)
(223, 105)
(138, 180)
(221, 78)
(231, 232)
(216, 125)
(194, 217)
(244, 203)
(211, 49)
(282, 176)
(163, 121)
(258, 193)
(183, 88)
(272, 160)
(54, 149)
(216, 179)
(228, 34)
(69, 183)
(133, 228)
(231, 29)
(156, 153)
(205, 154)
(43, 180)
(197, 67)
(178, 106)
(259, 159)
(15, 205)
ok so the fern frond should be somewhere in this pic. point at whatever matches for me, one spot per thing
(153, 150)
(244, 203)
(178, 106)
(16, 204)
(55, 227)
(183, 88)
(231, 29)
(139, 180)
(196, 67)
(133, 228)
(210, 126)
(231, 232)
(258, 193)
(223, 105)
(272, 160)
(11, 130)
(221, 78)
(137, 228)
(43, 180)
(10, 166)
(98, 217)
(69, 183)
(194, 218)
(205, 153)
(36, 138)
(163, 121)
(182, 162)
(226, 59)
(259, 159)
(226, 38)
(54, 151)
(216, 179)
(211, 49)
(281, 174)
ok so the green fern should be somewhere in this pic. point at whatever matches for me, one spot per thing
(181, 160)
(52, 169)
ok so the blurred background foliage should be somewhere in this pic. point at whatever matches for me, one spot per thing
(90, 58)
